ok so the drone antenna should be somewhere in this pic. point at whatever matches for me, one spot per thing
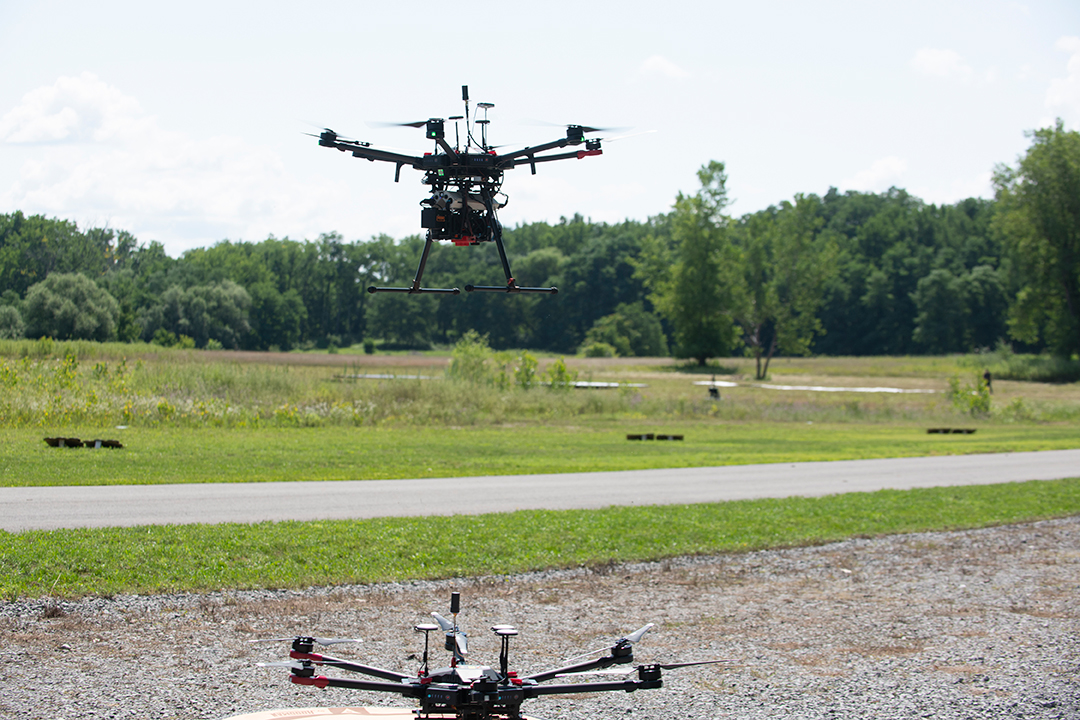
(455, 597)
(468, 133)
(457, 135)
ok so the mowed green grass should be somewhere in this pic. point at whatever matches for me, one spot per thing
(293, 554)
(184, 455)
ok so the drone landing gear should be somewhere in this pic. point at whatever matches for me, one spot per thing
(511, 286)
(416, 289)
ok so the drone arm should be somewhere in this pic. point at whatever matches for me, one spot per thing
(590, 687)
(351, 667)
(507, 159)
(579, 154)
(321, 681)
(598, 664)
(446, 148)
(369, 153)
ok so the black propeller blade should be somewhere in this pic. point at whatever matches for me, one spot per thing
(319, 640)
(417, 124)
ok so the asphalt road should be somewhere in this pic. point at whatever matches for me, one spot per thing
(127, 505)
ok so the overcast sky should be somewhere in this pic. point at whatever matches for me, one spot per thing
(184, 122)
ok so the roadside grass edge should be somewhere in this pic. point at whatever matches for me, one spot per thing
(183, 558)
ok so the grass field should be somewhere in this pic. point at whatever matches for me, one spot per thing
(189, 416)
(180, 455)
(205, 557)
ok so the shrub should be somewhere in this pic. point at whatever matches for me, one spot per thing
(598, 349)
(11, 323)
(69, 306)
(561, 377)
(971, 398)
(469, 358)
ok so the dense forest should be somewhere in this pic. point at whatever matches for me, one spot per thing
(840, 274)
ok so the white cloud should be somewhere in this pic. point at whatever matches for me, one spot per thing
(880, 176)
(979, 185)
(660, 66)
(73, 109)
(946, 64)
(1063, 95)
(97, 154)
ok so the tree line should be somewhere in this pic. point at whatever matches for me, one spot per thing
(840, 274)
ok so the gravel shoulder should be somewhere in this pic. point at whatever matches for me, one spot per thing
(971, 624)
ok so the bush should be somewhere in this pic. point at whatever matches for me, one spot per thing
(164, 338)
(69, 306)
(630, 331)
(971, 398)
(469, 358)
(598, 349)
(561, 377)
(12, 326)
(1004, 364)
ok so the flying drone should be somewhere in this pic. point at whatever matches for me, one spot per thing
(462, 690)
(465, 185)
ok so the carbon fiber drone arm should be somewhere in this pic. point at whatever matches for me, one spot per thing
(328, 138)
(321, 681)
(591, 687)
(319, 659)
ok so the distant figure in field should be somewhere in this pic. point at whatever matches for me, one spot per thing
(986, 377)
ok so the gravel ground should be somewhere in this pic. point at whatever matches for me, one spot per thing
(978, 624)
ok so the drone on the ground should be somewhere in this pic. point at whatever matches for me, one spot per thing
(464, 691)
(465, 185)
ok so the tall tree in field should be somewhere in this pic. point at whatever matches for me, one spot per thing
(698, 290)
(787, 260)
(1040, 219)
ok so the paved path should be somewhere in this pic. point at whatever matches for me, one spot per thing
(126, 505)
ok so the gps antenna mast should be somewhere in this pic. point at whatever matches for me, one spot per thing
(468, 130)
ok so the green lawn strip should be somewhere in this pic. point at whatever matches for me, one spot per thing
(299, 554)
(174, 455)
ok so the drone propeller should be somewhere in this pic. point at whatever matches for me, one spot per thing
(460, 639)
(636, 635)
(415, 124)
(630, 639)
(319, 640)
(624, 137)
(285, 664)
(584, 128)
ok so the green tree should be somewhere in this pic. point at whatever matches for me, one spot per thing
(786, 262)
(1040, 220)
(69, 306)
(959, 313)
(204, 312)
(694, 283)
(277, 319)
(942, 303)
(631, 330)
(402, 320)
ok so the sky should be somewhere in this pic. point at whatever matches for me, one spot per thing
(184, 123)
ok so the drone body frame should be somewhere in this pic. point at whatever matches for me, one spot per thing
(464, 188)
(463, 691)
